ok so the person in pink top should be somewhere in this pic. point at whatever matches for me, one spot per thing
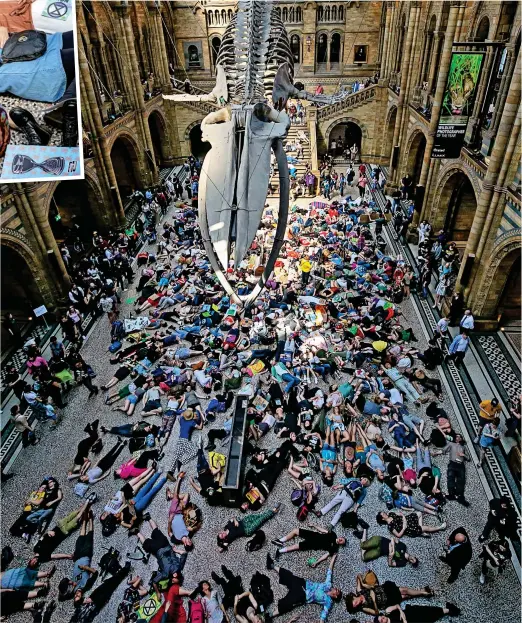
(35, 362)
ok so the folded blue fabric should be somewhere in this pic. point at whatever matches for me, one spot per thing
(41, 80)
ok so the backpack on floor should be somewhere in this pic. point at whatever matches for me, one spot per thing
(196, 613)
(115, 347)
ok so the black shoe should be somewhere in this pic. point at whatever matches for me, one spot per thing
(26, 123)
(358, 534)
(70, 123)
(53, 116)
(454, 611)
(210, 446)
(463, 501)
(146, 517)
(269, 562)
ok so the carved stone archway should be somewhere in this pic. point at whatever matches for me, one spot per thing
(19, 243)
(486, 297)
(438, 211)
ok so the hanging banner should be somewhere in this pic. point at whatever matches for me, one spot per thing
(457, 103)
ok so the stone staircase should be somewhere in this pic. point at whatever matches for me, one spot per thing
(348, 103)
(301, 166)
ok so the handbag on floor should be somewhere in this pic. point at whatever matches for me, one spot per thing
(27, 45)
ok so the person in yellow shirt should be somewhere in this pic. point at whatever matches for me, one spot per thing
(305, 266)
(489, 410)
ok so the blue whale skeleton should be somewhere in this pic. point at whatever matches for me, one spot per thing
(254, 66)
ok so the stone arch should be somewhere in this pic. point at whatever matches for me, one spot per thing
(482, 28)
(189, 128)
(75, 210)
(391, 120)
(335, 47)
(24, 285)
(127, 161)
(503, 258)
(294, 37)
(349, 133)
(414, 154)
(160, 136)
(94, 186)
(455, 201)
(215, 42)
(321, 47)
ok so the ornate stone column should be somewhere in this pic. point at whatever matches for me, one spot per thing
(41, 219)
(499, 154)
(99, 143)
(162, 62)
(437, 40)
(474, 120)
(405, 75)
(126, 37)
(437, 101)
(489, 135)
(390, 9)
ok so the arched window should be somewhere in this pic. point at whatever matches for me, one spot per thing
(334, 14)
(341, 14)
(216, 17)
(322, 49)
(223, 16)
(193, 56)
(483, 29)
(229, 14)
(295, 47)
(299, 14)
(215, 43)
(285, 14)
(320, 14)
(335, 48)
(210, 18)
(291, 14)
(327, 14)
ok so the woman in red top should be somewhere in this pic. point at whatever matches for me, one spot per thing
(173, 604)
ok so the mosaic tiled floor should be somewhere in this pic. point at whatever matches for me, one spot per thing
(53, 455)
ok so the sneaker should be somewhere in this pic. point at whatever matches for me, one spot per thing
(146, 517)
(358, 534)
(482, 578)
(277, 554)
(278, 542)
(269, 562)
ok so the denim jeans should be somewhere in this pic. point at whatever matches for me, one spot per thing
(38, 517)
(123, 431)
(145, 495)
(291, 380)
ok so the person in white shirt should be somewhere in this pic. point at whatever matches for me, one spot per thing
(467, 322)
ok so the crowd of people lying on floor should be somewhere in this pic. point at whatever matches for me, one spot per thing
(334, 380)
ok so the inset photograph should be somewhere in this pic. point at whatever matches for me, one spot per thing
(39, 108)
